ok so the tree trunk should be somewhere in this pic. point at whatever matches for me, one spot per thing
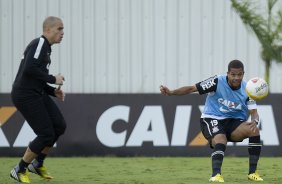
(267, 71)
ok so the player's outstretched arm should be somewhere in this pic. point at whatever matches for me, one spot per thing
(178, 92)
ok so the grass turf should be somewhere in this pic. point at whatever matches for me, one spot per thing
(145, 170)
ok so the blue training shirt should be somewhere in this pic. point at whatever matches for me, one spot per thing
(224, 102)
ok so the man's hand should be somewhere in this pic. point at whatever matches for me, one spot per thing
(59, 93)
(165, 91)
(253, 126)
(59, 79)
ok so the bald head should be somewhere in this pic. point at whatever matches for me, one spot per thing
(53, 29)
(50, 22)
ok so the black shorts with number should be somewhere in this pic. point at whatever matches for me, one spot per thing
(211, 127)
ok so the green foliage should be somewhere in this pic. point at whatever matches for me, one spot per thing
(268, 29)
(146, 170)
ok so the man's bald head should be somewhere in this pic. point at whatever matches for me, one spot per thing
(53, 29)
(50, 22)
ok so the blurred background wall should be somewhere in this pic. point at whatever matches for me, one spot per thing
(133, 46)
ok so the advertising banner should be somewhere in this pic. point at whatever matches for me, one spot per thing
(134, 125)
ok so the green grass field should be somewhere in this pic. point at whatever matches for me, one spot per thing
(145, 170)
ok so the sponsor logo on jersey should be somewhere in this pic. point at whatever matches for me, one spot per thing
(229, 104)
(224, 110)
(208, 84)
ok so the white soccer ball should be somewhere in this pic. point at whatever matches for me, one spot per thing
(257, 88)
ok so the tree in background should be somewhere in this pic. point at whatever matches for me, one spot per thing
(268, 30)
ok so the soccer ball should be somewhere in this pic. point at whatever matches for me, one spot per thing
(257, 88)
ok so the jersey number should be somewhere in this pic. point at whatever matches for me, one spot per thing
(214, 122)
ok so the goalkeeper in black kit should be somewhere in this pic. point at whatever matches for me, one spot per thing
(30, 95)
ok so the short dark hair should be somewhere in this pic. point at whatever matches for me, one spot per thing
(50, 22)
(235, 64)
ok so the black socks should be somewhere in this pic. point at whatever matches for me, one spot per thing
(22, 166)
(38, 162)
(217, 158)
(254, 150)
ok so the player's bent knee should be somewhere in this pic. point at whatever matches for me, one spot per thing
(48, 140)
(219, 139)
(42, 141)
(252, 132)
(256, 133)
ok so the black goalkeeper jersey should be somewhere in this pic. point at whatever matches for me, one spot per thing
(33, 73)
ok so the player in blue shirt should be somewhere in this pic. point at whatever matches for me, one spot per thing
(225, 115)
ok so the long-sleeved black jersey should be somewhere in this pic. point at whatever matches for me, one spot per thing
(33, 73)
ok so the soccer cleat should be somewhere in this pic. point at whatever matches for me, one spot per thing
(41, 171)
(217, 178)
(20, 177)
(254, 177)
